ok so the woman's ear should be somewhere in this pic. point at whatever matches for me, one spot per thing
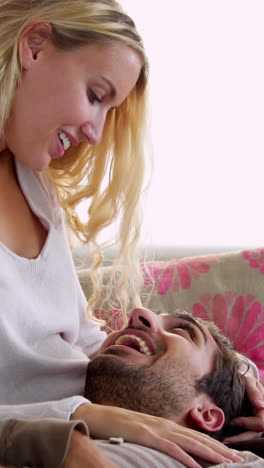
(33, 41)
(207, 417)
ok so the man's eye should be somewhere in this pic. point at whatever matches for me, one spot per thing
(93, 97)
(190, 330)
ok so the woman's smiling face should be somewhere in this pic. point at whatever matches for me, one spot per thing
(64, 97)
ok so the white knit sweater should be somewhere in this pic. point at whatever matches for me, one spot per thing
(45, 337)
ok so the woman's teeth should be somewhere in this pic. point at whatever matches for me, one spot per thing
(64, 139)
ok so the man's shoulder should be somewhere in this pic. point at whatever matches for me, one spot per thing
(130, 455)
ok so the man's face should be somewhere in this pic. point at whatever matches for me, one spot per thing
(152, 365)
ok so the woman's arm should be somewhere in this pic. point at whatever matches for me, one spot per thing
(150, 431)
(49, 443)
(83, 453)
(61, 409)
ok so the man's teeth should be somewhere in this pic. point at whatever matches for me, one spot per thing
(64, 139)
(127, 340)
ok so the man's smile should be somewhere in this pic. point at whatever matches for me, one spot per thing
(134, 339)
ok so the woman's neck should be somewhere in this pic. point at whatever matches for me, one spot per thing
(2, 145)
(7, 164)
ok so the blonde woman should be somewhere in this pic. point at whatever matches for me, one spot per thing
(73, 76)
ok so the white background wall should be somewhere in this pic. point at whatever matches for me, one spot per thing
(207, 101)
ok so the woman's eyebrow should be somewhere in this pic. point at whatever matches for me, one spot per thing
(110, 84)
(193, 322)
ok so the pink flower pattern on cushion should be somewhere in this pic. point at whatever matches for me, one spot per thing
(113, 319)
(255, 259)
(176, 274)
(241, 318)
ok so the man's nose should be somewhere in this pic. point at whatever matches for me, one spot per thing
(145, 317)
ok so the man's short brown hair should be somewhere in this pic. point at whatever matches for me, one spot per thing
(225, 384)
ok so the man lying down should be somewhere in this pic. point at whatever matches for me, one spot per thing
(172, 366)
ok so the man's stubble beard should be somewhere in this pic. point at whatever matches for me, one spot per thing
(114, 381)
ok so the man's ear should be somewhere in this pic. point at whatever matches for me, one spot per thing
(206, 416)
(32, 42)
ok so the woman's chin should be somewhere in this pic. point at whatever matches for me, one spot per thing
(37, 164)
(41, 164)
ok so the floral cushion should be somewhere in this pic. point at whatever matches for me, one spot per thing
(226, 288)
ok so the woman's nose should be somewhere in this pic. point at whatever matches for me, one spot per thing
(93, 130)
(146, 318)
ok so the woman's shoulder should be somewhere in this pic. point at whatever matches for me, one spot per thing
(46, 185)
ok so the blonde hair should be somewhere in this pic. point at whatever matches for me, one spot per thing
(80, 173)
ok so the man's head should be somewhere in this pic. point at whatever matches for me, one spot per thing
(174, 366)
